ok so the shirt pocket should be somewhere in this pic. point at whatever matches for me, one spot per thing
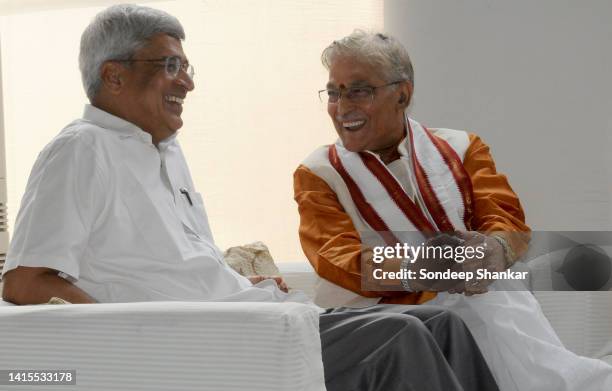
(198, 218)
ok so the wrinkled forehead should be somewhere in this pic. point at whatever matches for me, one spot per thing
(350, 71)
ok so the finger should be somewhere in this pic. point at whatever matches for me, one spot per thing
(480, 292)
(469, 236)
(476, 290)
(445, 240)
(280, 283)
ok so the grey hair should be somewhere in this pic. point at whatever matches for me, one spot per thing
(380, 50)
(116, 34)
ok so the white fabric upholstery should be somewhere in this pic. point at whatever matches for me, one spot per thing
(168, 345)
(583, 320)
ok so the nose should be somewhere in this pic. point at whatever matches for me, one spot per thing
(343, 106)
(185, 81)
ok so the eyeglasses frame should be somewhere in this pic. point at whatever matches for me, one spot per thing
(341, 91)
(184, 66)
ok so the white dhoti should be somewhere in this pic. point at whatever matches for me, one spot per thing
(521, 347)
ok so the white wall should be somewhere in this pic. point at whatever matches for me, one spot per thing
(534, 79)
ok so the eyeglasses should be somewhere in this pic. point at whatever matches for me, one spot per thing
(172, 64)
(359, 95)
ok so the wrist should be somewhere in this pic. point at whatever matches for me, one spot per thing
(509, 255)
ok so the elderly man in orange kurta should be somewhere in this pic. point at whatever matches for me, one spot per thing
(388, 173)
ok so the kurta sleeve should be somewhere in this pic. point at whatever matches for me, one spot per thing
(327, 234)
(62, 199)
(331, 242)
(496, 207)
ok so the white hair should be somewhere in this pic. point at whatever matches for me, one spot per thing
(380, 50)
(116, 34)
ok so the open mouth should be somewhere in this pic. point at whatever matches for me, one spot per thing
(174, 102)
(353, 125)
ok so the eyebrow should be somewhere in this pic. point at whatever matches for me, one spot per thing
(183, 59)
(359, 83)
(356, 83)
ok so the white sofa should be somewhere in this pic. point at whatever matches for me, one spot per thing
(166, 345)
(223, 346)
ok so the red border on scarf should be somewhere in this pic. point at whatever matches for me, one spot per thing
(429, 197)
(399, 196)
(455, 165)
(364, 207)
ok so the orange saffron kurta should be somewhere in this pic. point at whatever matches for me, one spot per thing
(333, 245)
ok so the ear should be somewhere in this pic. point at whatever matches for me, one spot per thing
(405, 93)
(113, 75)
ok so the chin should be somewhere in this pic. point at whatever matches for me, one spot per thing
(353, 147)
(175, 125)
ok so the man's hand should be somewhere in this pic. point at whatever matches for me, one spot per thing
(36, 285)
(279, 281)
(494, 260)
(438, 265)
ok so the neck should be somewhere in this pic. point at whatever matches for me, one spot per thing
(390, 153)
(115, 108)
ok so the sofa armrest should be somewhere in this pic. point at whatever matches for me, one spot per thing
(168, 345)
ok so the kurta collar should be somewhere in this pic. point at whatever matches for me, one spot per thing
(114, 123)
(167, 142)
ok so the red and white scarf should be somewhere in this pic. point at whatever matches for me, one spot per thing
(443, 186)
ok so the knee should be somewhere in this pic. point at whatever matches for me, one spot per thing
(438, 314)
(403, 323)
(446, 316)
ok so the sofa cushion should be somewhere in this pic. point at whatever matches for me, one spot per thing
(169, 345)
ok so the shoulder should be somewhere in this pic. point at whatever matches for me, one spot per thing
(77, 135)
(317, 158)
(461, 141)
(77, 148)
(453, 136)
(318, 167)
(81, 139)
(304, 179)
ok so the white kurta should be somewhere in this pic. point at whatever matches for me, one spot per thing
(112, 213)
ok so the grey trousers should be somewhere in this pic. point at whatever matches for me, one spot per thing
(400, 347)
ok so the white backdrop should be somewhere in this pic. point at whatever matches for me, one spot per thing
(534, 79)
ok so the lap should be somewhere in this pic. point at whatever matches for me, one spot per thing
(410, 313)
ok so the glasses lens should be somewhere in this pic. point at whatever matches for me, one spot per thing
(190, 71)
(359, 95)
(173, 65)
(333, 96)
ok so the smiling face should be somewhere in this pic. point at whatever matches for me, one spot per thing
(151, 98)
(377, 126)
